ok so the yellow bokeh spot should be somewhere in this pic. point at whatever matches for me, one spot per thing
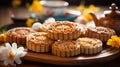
(85, 11)
(87, 15)
(16, 3)
(81, 7)
(93, 8)
(30, 21)
(36, 7)
(3, 37)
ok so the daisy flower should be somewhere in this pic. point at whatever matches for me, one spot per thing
(11, 54)
(114, 41)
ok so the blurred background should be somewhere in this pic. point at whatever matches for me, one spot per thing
(71, 2)
(10, 10)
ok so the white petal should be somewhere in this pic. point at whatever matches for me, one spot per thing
(5, 52)
(21, 54)
(17, 55)
(5, 62)
(25, 50)
(14, 51)
(12, 62)
(20, 49)
(36, 26)
(1, 49)
(8, 45)
(14, 46)
(18, 61)
(51, 19)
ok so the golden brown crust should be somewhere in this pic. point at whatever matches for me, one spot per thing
(83, 29)
(39, 41)
(39, 38)
(18, 34)
(103, 30)
(63, 30)
(89, 45)
(62, 27)
(44, 27)
(65, 48)
(101, 33)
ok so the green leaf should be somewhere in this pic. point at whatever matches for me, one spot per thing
(19, 45)
(27, 5)
(4, 30)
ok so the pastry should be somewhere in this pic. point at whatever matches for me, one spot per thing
(18, 34)
(44, 27)
(101, 33)
(65, 48)
(89, 46)
(39, 42)
(83, 29)
(40, 27)
(63, 30)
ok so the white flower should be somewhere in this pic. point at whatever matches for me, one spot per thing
(36, 26)
(49, 20)
(10, 54)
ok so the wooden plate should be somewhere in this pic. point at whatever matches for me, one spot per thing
(107, 54)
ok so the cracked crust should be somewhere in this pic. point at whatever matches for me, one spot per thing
(39, 42)
(63, 30)
(18, 34)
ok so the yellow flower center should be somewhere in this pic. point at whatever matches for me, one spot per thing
(11, 55)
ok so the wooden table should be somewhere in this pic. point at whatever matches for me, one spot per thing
(5, 19)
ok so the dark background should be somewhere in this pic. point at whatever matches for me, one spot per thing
(71, 2)
(96, 2)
